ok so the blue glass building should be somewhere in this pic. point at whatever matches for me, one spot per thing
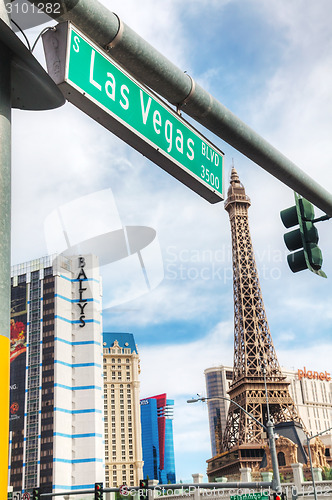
(157, 439)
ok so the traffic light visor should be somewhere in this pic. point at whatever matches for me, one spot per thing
(305, 211)
(293, 239)
(289, 217)
(296, 261)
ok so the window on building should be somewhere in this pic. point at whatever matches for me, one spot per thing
(281, 459)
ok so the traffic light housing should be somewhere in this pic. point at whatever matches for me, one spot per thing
(143, 493)
(99, 491)
(36, 494)
(304, 239)
(278, 496)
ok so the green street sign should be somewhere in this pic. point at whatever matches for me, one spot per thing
(96, 84)
(250, 496)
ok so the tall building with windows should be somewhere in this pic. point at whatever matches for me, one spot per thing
(56, 399)
(157, 438)
(123, 448)
(217, 381)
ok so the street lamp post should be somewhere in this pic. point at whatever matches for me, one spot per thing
(272, 442)
(269, 428)
(310, 459)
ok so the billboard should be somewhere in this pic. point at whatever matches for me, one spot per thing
(18, 332)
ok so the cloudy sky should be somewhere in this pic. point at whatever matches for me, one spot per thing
(270, 63)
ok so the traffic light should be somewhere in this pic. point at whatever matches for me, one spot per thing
(99, 491)
(278, 496)
(304, 239)
(36, 494)
(143, 493)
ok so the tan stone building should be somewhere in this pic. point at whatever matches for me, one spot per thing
(123, 443)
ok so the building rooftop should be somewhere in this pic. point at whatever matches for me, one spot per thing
(125, 340)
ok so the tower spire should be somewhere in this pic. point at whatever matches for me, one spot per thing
(253, 345)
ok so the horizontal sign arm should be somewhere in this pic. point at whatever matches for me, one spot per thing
(149, 66)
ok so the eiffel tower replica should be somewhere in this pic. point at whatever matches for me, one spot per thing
(243, 444)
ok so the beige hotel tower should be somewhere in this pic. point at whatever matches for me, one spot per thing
(123, 442)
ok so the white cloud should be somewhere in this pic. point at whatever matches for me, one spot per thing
(184, 364)
(286, 336)
(317, 356)
(297, 107)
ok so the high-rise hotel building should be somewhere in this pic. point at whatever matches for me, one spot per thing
(123, 447)
(157, 438)
(56, 398)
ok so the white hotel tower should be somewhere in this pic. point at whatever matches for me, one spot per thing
(56, 397)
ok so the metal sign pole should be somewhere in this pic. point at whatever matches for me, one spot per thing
(5, 202)
(25, 85)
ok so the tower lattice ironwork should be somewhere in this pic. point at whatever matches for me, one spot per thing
(253, 346)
